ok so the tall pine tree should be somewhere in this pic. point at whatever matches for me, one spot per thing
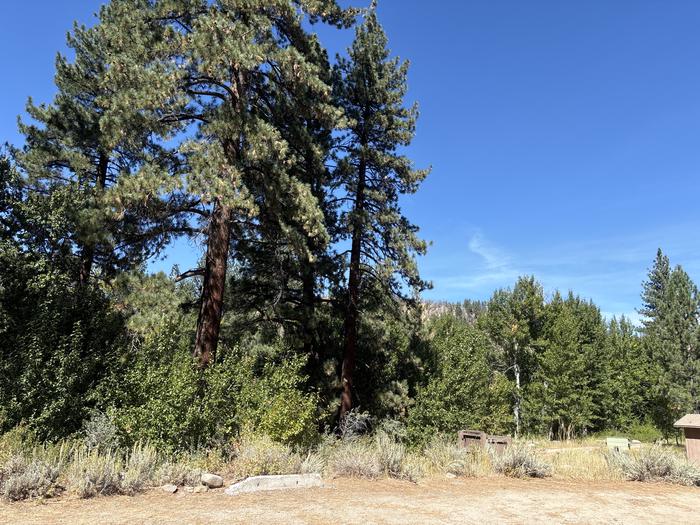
(370, 87)
(670, 316)
(67, 153)
(206, 77)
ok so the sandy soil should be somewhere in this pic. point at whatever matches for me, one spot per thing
(493, 500)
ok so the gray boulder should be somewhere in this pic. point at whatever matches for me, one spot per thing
(212, 481)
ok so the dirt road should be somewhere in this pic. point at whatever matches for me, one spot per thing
(482, 501)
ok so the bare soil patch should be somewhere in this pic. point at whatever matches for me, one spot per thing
(490, 500)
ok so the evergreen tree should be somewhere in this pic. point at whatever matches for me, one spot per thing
(206, 76)
(370, 87)
(68, 155)
(625, 380)
(671, 310)
(462, 390)
(514, 320)
(562, 393)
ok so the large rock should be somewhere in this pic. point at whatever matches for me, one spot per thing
(260, 483)
(170, 489)
(212, 481)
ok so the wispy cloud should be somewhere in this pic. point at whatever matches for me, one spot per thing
(494, 258)
(492, 267)
(609, 270)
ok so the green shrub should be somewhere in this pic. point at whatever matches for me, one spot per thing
(644, 432)
(260, 455)
(57, 340)
(462, 390)
(16, 441)
(270, 400)
(166, 400)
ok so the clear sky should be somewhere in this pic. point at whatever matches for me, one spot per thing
(564, 136)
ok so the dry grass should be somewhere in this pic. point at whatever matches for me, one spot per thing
(581, 464)
(33, 474)
(88, 471)
(443, 456)
(354, 459)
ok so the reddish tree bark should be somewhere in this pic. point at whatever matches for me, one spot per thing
(212, 303)
(352, 315)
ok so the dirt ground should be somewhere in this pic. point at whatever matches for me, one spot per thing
(492, 500)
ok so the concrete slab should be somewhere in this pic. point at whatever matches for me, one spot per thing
(284, 482)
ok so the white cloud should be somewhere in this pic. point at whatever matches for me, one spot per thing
(492, 256)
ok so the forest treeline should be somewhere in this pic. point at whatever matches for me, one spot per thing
(228, 124)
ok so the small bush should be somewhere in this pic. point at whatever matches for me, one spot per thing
(15, 442)
(21, 478)
(371, 457)
(356, 458)
(260, 455)
(100, 432)
(391, 455)
(644, 432)
(92, 473)
(140, 469)
(519, 461)
(177, 473)
(655, 464)
(32, 475)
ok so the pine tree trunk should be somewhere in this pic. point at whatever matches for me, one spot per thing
(212, 300)
(87, 253)
(354, 281)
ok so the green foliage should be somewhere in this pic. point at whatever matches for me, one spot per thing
(462, 390)
(270, 399)
(625, 383)
(156, 397)
(561, 401)
(371, 86)
(393, 353)
(645, 432)
(671, 338)
(175, 112)
(164, 398)
(56, 341)
(514, 321)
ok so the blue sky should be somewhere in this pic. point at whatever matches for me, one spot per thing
(564, 136)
